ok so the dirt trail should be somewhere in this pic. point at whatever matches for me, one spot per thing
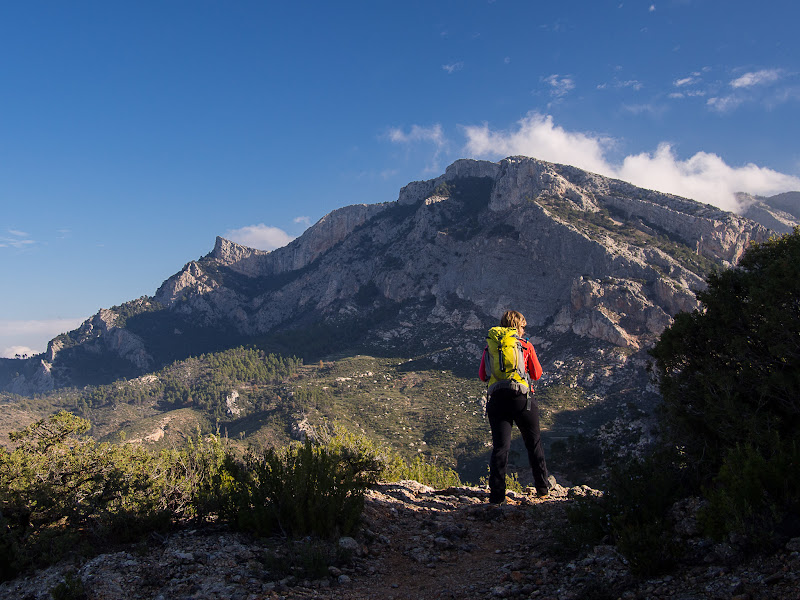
(417, 543)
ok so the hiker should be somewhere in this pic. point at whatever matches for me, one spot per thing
(511, 401)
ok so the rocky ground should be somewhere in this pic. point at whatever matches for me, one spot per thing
(416, 543)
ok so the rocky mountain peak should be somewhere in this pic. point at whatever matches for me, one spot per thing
(230, 253)
(584, 257)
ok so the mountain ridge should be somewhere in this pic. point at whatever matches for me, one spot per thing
(781, 212)
(579, 254)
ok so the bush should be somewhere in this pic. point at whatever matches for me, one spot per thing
(512, 482)
(310, 488)
(59, 489)
(730, 378)
(198, 481)
(63, 493)
(308, 558)
(69, 589)
(422, 471)
(634, 512)
(755, 494)
(730, 373)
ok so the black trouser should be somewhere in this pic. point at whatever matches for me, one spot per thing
(506, 407)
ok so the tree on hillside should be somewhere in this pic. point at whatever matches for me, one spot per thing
(730, 371)
(729, 374)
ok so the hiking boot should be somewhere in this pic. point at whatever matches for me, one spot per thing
(497, 499)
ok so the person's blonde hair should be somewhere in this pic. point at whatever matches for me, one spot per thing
(512, 318)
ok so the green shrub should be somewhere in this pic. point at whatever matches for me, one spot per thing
(730, 377)
(730, 372)
(754, 492)
(589, 524)
(61, 492)
(9, 551)
(634, 512)
(303, 489)
(69, 589)
(198, 481)
(512, 482)
(422, 471)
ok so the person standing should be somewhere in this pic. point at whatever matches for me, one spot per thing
(511, 401)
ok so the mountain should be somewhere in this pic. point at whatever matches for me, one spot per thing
(780, 213)
(597, 265)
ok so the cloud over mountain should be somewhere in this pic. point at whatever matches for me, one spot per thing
(704, 176)
(39, 332)
(261, 237)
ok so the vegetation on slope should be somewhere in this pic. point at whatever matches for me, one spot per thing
(65, 494)
(728, 374)
(730, 378)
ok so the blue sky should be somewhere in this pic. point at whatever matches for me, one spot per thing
(133, 133)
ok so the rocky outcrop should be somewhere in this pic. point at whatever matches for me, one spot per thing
(418, 191)
(324, 235)
(576, 252)
(299, 253)
(192, 279)
(779, 213)
(244, 260)
(301, 429)
(99, 336)
(622, 312)
(36, 377)
(118, 340)
(519, 179)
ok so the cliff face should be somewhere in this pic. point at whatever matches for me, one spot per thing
(594, 264)
(780, 213)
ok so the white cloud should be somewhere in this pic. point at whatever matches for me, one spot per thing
(303, 220)
(621, 85)
(725, 103)
(766, 87)
(641, 109)
(17, 351)
(434, 135)
(261, 237)
(685, 81)
(704, 176)
(537, 136)
(417, 133)
(630, 83)
(763, 77)
(15, 239)
(559, 86)
(453, 67)
(31, 336)
(652, 8)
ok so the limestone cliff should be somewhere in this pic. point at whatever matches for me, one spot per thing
(780, 213)
(594, 263)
